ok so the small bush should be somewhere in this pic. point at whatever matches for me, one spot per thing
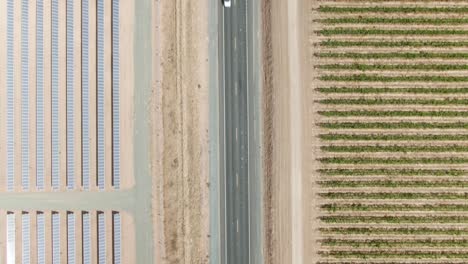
(393, 137)
(392, 172)
(394, 207)
(414, 90)
(394, 125)
(401, 78)
(376, 31)
(403, 43)
(393, 184)
(362, 160)
(395, 219)
(394, 20)
(396, 148)
(395, 231)
(395, 195)
(374, 113)
(397, 67)
(392, 9)
(390, 55)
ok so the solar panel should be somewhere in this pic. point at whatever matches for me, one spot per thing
(86, 238)
(40, 95)
(55, 97)
(10, 98)
(25, 94)
(115, 94)
(70, 99)
(117, 237)
(101, 238)
(55, 238)
(26, 238)
(85, 92)
(41, 240)
(100, 95)
(71, 238)
(11, 238)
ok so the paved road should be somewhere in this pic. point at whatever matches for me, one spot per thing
(235, 97)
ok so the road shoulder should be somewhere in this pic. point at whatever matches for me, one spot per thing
(288, 172)
(180, 130)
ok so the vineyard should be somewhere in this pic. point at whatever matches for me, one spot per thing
(390, 81)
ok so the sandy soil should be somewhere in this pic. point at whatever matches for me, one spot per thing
(288, 159)
(180, 129)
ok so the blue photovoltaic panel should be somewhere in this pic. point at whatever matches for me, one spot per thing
(11, 239)
(26, 238)
(55, 238)
(117, 236)
(101, 238)
(85, 91)
(40, 229)
(86, 238)
(55, 97)
(25, 94)
(40, 94)
(10, 98)
(71, 238)
(70, 99)
(100, 94)
(115, 94)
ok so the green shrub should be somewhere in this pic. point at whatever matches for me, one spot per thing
(370, 67)
(392, 9)
(396, 148)
(395, 231)
(395, 254)
(414, 90)
(362, 160)
(396, 101)
(394, 207)
(395, 219)
(390, 137)
(395, 195)
(389, 55)
(402, 43)
(401, 78)
(375, 113)
(393, 125)
(376, 31)
(392, 172)
(392, 184)
(387, 243)
(394, 20)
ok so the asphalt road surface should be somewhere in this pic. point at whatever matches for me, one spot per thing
(234, 99)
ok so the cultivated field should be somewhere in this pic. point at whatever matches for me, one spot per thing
(390, 81)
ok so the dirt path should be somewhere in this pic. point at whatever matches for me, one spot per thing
(180, 129)
(287, 134)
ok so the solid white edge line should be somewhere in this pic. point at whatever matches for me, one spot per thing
(248, 125)
(224, 139)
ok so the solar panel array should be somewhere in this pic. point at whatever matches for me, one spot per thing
(62, 114)
(61, 237)
(62, 106)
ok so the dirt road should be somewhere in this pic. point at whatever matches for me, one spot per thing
(287, 134)
(180, 129)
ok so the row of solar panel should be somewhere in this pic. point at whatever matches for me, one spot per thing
(55, 93)
(47, 243)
